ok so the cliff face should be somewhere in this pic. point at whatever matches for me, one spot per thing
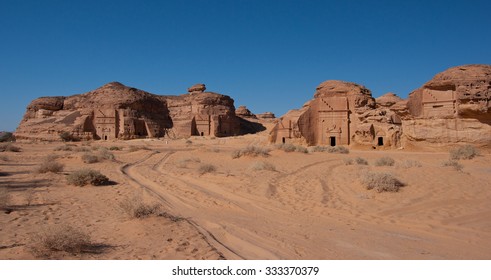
(115, 111)
(341, 113)
(452, 108)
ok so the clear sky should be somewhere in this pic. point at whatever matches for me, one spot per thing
(268, 55)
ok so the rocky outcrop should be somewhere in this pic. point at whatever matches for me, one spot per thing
(115, 111)
(341, 113)
(454, 107)
(243, 112)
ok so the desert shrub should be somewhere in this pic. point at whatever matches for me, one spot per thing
(252, 151)
(409, 163)
(115, 148)
(452, 163)
(262, 165)
(183, 162)
(105, 154)
(137, 148)
(90, 158)
(381, 182)
(87, 176)
(4, 198)
(338, 150)
(81, 149)
(357, 160)
(189, 142)
(287, 147)
(66, 136)
(464, 152)
(385, 161)
(65, 148)
(301, 149)
(361, 161)
(206, 168)
(214, 150)
(50, 165)
(62, 238)
(135, 207)
(9, 147)
(315, 149)
(348, 161)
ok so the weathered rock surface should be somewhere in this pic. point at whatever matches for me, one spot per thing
(452, 108)
(115, 111)
(243, 112)
(341, 113)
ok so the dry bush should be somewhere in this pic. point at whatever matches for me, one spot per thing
(316, 149)
(65, 148)
(338, 150)
(357, 160)
(182, 163)
(9, 147)
(252, 151)
(87, 176)
(206, 168)
(464, 152)
(301, 149)
(137, 148)
(105, 154)
(409, 163)
(381, 182)
(115, 148)
(287, 147)
(50, 165)
(63, 238)
(214, 150)
(452, 163)
(385, 161)
(135, 207)
(262, 165)
(81, 149)
(90, 158)
(4, 198)
(189, 142)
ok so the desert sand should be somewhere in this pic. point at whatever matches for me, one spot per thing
(312, 206)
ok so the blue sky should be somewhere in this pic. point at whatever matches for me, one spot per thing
(268, 55)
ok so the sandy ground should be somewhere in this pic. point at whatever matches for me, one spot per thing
(312, 206)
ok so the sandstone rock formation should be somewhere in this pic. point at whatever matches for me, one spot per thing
(341, 113)
(243, 112)
(454, 107)
(266, 116)
(115, 111)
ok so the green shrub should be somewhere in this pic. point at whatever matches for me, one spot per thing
(464, 152)
(381, 182)
(385, 161)
(87, 176)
